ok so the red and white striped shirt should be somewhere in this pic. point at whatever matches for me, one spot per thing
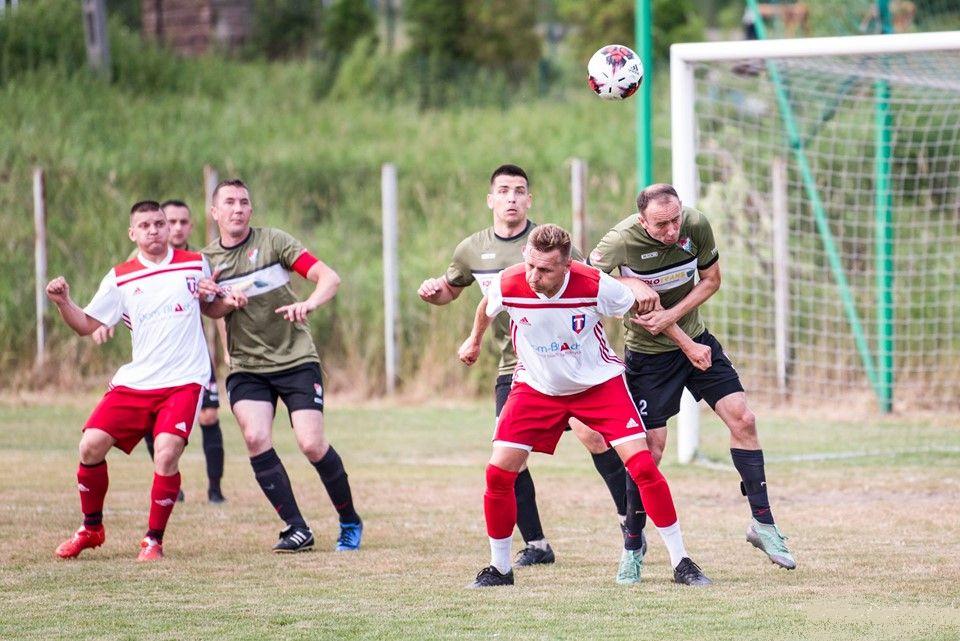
(560, 342)
(156, 301)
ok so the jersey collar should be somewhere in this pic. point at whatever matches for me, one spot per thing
(515, 236)
(238, 245)
(149, 264)
(563, 288)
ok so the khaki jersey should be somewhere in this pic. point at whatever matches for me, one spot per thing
(260, 340)
(668, 269)
(479, 258)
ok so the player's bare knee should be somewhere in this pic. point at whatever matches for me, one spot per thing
(743, 424)
(656, 451)
(166, 462)
(257, 442)
(90, 453)
(594, 442)
(316, 449)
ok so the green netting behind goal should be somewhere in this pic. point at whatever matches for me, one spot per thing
(801, 348)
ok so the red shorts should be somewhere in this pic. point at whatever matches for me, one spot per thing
(534, 421)
(129, 414)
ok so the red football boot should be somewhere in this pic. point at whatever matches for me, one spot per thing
(150, 550)
(81, 540)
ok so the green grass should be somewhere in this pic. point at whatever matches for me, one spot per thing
(876, 537)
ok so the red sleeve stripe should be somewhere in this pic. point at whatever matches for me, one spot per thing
(303, 264)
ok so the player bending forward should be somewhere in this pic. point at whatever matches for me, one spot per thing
(566, 368)
(156, 294)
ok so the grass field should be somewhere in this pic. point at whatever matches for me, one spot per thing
(876, 535)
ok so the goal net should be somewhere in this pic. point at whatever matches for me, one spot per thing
(830, 170)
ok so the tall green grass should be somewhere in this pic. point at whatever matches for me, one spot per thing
(314, 169)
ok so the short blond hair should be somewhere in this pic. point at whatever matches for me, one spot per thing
(546, 238)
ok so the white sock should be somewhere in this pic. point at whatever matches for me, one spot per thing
(673, 539)
(540, 544)
(500, 554)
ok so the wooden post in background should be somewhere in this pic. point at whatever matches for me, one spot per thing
(578, 197)
(95, 33)
(210, 180)
(40, 260)
(391, 272)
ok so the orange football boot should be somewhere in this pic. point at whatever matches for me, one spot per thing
(80, 541)
(150, 550)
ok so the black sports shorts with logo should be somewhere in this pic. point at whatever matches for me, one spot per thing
(300, 387)
(211, 395)
(656, 381)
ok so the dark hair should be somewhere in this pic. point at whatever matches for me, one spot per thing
(174, 203)
(509, 170)
(233, 182)
(546, 238)
(659, 193)
(144, 205)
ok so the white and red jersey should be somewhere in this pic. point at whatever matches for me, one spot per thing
(560, 342)
(156, 301)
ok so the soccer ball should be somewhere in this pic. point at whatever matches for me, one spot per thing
(615, 72)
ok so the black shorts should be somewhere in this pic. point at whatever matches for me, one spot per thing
(656, 381)
(211, 396)
(300, 387)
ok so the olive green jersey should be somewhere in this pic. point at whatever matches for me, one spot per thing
(479, 258)
(260, 340)
(668, 269)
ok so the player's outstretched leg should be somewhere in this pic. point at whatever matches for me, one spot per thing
(762, 532)
(500, 512)
(747, 457)
(537, 549)
(335, 480)
(659, 504)
(163, 496)
(92, 483)
(273, 480)
(213, 453)
(634, 540)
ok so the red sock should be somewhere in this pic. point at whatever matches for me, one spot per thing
(500, 502)
(92, 482)
(654, 491)
(163, 496)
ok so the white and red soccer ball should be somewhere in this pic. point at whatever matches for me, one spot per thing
(615, 72)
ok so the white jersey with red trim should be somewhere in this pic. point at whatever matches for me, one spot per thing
(559, 340)
(156, 301)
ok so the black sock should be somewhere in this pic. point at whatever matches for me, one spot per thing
(156, 535)
(636, 517)
(275, 483)
(528, 517)
(753, 483)
(213, 452)
(94, 519)
(334, 478)
(148, 439)
(611, 469)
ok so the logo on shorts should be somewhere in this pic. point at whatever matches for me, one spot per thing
(164, 502)
(578, 322)
(181, 426)
(632, 423)
(318, 390)
(193, 284)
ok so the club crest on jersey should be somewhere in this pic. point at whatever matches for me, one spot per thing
(252, 254)
(686, 244)
(193, 284)
(578, 322)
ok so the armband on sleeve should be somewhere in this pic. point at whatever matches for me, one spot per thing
(303, 264)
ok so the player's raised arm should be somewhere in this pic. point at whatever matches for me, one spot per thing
(470, 349)
(327, 281)
(58, 291)
(437, 291)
